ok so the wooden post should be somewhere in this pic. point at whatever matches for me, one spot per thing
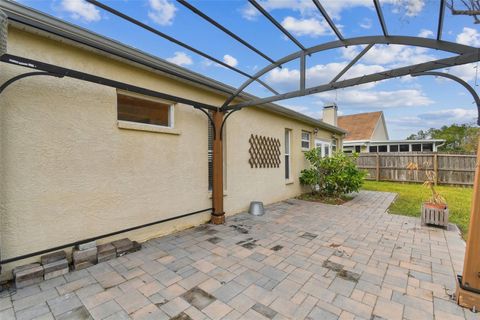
(435, 167)
(468, 288)
(378, 168)
(218, 215)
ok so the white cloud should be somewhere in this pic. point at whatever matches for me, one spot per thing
(230, 60)
(249, 12)
(162, 12)
(288, 79)
(316, 114)
(436, 118)
(81, 10)
(366, 23)
(393, 56)
(181, 59)
(458, 115)
(413, 7)
(467, 72)
(379, 99)
(306, 27)
(469, 37)
(425, 33)
(333, 7)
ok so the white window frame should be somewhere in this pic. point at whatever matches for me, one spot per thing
(288, 152)
(322, 144)
(305, 140)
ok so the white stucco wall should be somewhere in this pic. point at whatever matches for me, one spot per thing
(380, 132)
(68, 172)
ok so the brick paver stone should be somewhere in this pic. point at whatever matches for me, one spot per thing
(301, 260)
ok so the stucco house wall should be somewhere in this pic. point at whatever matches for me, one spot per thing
(380, 133)
(68, 172)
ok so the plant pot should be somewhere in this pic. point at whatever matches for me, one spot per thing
(435, 214)
(434, 206)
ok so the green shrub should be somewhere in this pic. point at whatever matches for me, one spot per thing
(332, 176)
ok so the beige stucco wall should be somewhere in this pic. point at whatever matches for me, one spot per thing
(68, 172)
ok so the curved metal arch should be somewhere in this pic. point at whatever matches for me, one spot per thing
(225, 120)
(368, 40)
(458, 80)
(212, 123)
(25, 75)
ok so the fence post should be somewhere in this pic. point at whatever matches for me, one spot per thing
(378, 167)
(435, 167)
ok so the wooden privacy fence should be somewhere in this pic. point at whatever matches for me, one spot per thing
(454, 169)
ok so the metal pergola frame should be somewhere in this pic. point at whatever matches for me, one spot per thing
(218, 115)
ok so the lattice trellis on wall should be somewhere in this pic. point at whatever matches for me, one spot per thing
(264, 152)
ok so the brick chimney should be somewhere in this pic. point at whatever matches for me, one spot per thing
(330, 113)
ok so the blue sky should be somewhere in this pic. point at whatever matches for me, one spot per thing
(409, 104)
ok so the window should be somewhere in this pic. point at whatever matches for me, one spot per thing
(288, 134)
(326, 150)
(373, 149)
(144, 109)
(428, 147)
(404, 148)
(334, 145)
(358, 149)
(210, 157)
(382, 148)
(323, 147)
(416, 147)
(394, 148)
(305, 140)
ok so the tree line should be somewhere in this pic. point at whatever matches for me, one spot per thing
(458, 137)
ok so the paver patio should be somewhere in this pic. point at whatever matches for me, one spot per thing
(301, 260)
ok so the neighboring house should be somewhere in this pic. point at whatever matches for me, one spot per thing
(367, 132)
(80, 159)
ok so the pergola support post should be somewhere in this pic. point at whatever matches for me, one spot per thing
(218, 214)
(468, 285)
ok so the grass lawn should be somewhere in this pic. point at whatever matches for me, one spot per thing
(411, 196)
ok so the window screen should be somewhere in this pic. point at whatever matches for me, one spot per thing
(373, 149)
(305, 140)
(135, 109)
(427, 147)
(394, 148)
(287, 154)
(210, 156)
(404, 148)
(416, 147)
(382, 148)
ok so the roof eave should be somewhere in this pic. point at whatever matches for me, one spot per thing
(34, 20)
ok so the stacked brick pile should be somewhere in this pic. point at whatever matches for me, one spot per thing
(27, 275)
(83, 256)
(54, 264)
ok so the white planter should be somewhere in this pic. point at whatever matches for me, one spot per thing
(434, 216)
